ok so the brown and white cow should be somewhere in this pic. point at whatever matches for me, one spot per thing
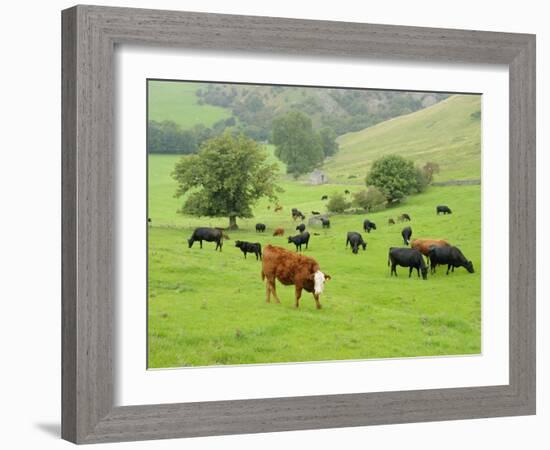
(291, 268)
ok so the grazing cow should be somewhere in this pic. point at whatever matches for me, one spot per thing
(406, 233)
(290, 268)
(404, 218)
(325, 222)
(368, 225)
(279, 232)
(452, 256)
(407, 257)
(315, 213)
(278, 208)
(299, 239)
(423, 245)
(346, 192)
(443, 209)
(355, 240)
(260, 227)
(207, 234)
(324, 197)
(296, 214)
(249, 247)
(391, 221)
(301, 228)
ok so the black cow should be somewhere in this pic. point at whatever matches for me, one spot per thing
(207, 234)
(404, 218)
(325, 222)
(324, 197)
(249, 247)
(301, 228)
(346, 192)
(452, 256)
(368, 225)
(443, 209)
(299, 239)
(260, 227)
(406, 233)
(315, 213)
(355, 240)
(297, 214)
(407, 257)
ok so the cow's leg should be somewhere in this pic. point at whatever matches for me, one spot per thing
(418, 272)
(267, 290)
(317, 303)
(274, 290)
(393, 271)
(410, 271)
(244, 255)
(298, 293)
(448, 268)
(200, 242)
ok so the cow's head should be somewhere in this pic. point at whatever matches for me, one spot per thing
(190, 242)
(364, 244)
(469, 266)
(319, 279)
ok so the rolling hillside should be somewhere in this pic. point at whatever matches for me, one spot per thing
(448, 133)
(177, 102)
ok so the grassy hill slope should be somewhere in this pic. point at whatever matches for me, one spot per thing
(445, 133)
(177, 102)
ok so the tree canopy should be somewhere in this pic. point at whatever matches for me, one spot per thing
(396, 177)
(296, 144)
(225, 178)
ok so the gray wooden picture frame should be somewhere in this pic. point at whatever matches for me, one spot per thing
(90, 34)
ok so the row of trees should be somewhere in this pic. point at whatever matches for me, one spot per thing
(170, 138)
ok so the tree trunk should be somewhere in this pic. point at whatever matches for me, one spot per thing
(233, 223)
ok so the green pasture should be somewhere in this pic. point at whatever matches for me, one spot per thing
(177, 102)
(208, 308)
(446, 133)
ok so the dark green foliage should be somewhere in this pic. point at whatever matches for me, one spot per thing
(225, 178)
(338, 203)
(328, 141)
(396, 177)
(296, 144)
(168, 137)
(371, 199)
(343, 110)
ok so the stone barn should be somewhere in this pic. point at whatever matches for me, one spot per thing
(318, 177)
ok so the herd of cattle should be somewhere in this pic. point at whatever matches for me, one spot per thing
(303, 272)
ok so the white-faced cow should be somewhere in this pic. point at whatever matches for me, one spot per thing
(292, 268)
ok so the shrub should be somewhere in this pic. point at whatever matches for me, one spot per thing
(369, 199)
(338, 203)
(396, 177)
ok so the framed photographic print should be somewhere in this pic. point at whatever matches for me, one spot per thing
(278, 224)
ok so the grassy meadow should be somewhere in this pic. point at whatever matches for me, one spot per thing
(208, 308)
(177, 102)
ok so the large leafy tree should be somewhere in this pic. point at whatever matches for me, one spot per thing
(226, 178)
(328, 141)
(296, 144)
(396, 177)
